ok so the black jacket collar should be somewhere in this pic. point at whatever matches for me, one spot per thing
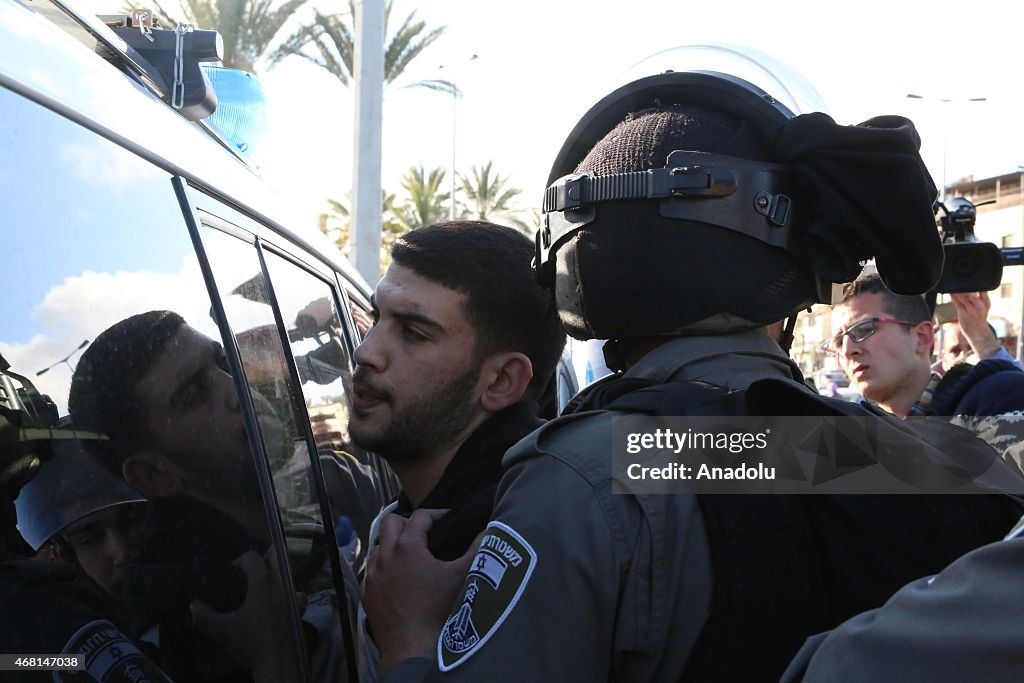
(468, 484)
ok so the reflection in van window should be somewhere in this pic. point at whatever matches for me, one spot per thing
(160, 391)
(247, 303)
(116, 331)
(318, 346)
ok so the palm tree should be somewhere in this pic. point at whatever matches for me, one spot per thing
(336, 223)
(425, 203)
(246, 26)
(333, 37)
(489, 198)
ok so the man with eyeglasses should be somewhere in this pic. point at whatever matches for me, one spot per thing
(885, 346)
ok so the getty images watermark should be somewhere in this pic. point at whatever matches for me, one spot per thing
(837, 455)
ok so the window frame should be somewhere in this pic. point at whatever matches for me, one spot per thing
(195, 204)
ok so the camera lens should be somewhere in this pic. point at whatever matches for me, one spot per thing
(965, 266)
(971, 267)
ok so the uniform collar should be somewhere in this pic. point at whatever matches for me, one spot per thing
(731, 361)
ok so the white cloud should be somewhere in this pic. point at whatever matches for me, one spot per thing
(84, 305)
(112, 172)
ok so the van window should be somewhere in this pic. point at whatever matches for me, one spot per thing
(95, 238)
(362, 321)
(248, 300)
(317, 343)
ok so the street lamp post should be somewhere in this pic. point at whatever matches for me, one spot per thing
(945, 128)
(455, 97)
(1020, 295)
(65, 359)
(368, 83)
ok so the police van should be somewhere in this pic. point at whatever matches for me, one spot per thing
(132, 223)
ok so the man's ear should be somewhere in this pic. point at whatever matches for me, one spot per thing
(924, 337)
(153, 475)
(506, 376)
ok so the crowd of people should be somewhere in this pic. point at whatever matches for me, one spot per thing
(686, 216)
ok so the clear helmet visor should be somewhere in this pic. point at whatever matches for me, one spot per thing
(68, 487)
(782, 81)
(741, 81)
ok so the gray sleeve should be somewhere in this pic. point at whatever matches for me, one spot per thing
(563, 624)
(619, 589)
(964, 624)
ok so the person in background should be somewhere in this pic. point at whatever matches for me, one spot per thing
(76, 511)
(885, 342)
(45, 606)
(161, 392)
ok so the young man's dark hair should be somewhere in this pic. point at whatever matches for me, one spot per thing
(103, 390)
(911, 308)
(508, 309)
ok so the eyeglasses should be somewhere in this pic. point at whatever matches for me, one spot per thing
(858, 332)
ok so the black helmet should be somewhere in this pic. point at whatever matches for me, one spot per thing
(31, 435)
(692, 202)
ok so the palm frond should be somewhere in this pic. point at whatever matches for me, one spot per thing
(437, 85)
(489, 197)
(333, 38)
(247, 27)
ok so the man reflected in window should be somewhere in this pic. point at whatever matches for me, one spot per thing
(161, 392)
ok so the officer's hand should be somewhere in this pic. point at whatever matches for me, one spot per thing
(408, 593)
(972, 313)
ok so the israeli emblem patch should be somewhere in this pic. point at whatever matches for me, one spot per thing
(496, 580)
(108, 656)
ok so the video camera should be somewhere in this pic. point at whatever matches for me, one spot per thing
(970, 265)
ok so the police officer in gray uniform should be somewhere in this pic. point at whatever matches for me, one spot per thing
(685, 212)
(962, 624)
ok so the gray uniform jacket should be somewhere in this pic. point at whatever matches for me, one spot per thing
(964, 624)
(618, 587)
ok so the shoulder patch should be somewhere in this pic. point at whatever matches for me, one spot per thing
(109, 657)
(497, 577)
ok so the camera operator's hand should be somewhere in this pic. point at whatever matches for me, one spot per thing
(972, 313)
(314, 317)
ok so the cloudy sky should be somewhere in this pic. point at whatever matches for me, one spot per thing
(541, 64)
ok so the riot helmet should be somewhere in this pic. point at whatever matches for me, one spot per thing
(69, 486)
(33, 440)
(692, 202)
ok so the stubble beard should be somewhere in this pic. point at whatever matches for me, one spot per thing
(429, 422)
